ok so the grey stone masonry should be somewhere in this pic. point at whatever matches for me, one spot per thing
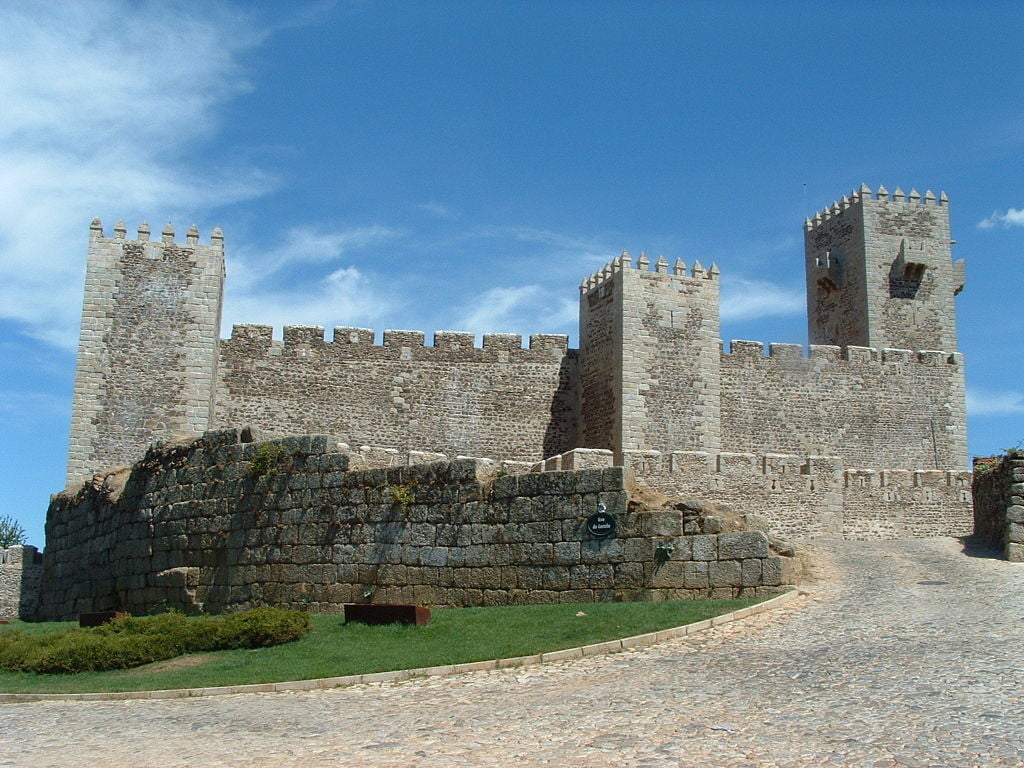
(880, 272)
(814, 496)
(217, 525)
(20, 571)
(999, 507)
(147, 353)
(879, 392)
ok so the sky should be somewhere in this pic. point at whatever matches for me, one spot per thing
(463, 165)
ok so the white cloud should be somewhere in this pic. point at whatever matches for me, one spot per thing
(31, 407)
(984, 403)
(301, 245)
(102, 101)
(1012, 218)
(751, 299)
(344, 297)
(440, 210)
(519, 309)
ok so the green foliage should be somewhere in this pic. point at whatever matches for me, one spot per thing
(133, 641)
(335, 648)
(401, 494)
(11, 532)
(266, 459)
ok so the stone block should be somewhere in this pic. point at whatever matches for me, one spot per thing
(725, 573)
(663, 522)
(1015, 553)
(704, 547)
(1015, 514)
(566, 552)
(601, 551)
(742, 545)
(629, 575)
(668, 574)
(1015, 533)
(771, 571)
(695, 575)
(751, 572)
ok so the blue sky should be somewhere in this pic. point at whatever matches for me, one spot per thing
(463, 165)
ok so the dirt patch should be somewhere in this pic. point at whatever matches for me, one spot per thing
(187, 661)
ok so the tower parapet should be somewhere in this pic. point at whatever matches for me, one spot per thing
(650, 362)
(880, 271)
(147, 354)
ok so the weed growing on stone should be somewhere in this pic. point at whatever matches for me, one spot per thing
(401, 495)
(266, 459)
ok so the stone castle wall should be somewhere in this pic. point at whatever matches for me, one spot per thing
(999, 507)
(500, 400)
(650, 375)
(873, 408)
(192, 527)
(814, 496)
(20, 570)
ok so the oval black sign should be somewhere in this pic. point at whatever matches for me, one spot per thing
(601, 525)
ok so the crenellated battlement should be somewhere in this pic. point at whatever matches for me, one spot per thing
(143, 234)
(351, 342)
(858, 196)
(741, 348)
(783, 427)
(644, 265)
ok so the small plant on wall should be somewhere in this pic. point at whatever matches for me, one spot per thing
(266, 460)
(401, 495)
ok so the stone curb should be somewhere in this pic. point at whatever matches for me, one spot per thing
(610, 646)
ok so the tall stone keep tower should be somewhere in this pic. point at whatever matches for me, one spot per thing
(650, 357)
(147, 354)
(880, 272)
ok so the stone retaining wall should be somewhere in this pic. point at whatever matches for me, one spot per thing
(999, 507)
(20, 569)
(192, 527)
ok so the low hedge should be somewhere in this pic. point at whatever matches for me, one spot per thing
(133, 641)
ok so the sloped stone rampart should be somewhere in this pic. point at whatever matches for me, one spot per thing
(999, 507)
(192, 527)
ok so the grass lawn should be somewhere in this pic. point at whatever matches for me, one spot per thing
(334, 648)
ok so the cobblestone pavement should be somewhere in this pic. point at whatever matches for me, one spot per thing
(902, 654)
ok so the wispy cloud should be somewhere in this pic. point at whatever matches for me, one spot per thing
(101, 107)
(517, 309)
(301, 245)
(343, 297)
(751, 299)
(1012, 218)
(984, 403)
(440, 210)
(26, 407)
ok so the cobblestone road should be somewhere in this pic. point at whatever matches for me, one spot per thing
(905, 654)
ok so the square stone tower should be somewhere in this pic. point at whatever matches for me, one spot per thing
(649, 343)
(880, 272)
(147, 353)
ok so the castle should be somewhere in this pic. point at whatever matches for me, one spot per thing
(878, 398)
(365, 493)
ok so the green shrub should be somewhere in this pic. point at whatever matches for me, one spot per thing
(261, 627)
(133, 641)
(266, 459)
(11, 532)
(401, 495)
